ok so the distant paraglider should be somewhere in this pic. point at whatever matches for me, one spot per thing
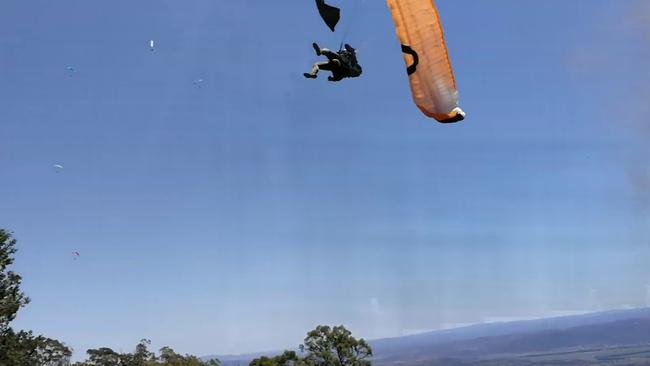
(151, 45)
(75, 255)
(71, 70)
(198, 82)
(57, 167)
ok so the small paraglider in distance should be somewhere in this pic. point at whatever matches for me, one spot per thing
(75, 255)
(343, 64)
(57, 167)
(198, 82)
(70, 70)
(151, 45)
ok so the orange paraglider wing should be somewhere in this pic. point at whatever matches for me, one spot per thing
(431, 78)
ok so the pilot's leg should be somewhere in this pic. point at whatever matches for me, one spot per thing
(314, 71)
(332, 56)
(325, 52)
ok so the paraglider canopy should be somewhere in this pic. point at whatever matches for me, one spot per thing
(433, 87)
(330, 14)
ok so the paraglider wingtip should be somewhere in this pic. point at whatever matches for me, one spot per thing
(456, 115)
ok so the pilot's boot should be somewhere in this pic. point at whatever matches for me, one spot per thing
(316, 48)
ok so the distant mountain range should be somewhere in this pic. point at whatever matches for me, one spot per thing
(620, 337)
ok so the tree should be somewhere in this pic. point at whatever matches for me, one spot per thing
(324, 346)
(171, 358)
(24, 349)
(140, 357)
(11, 298)
(103, 357)
(288, 358)
(21, 348)
(51, 352)
(335, 346)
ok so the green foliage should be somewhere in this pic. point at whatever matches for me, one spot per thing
(24, 349)
(142, 357)
(21, 348)
(324, 346)
(288, 358)
(103, 357)
(335, 346)
(170, 358)
(11, 298)
(51, 352)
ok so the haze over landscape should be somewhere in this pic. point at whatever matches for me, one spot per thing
(620, 337)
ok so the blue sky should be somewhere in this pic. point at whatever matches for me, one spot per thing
(235, 216)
